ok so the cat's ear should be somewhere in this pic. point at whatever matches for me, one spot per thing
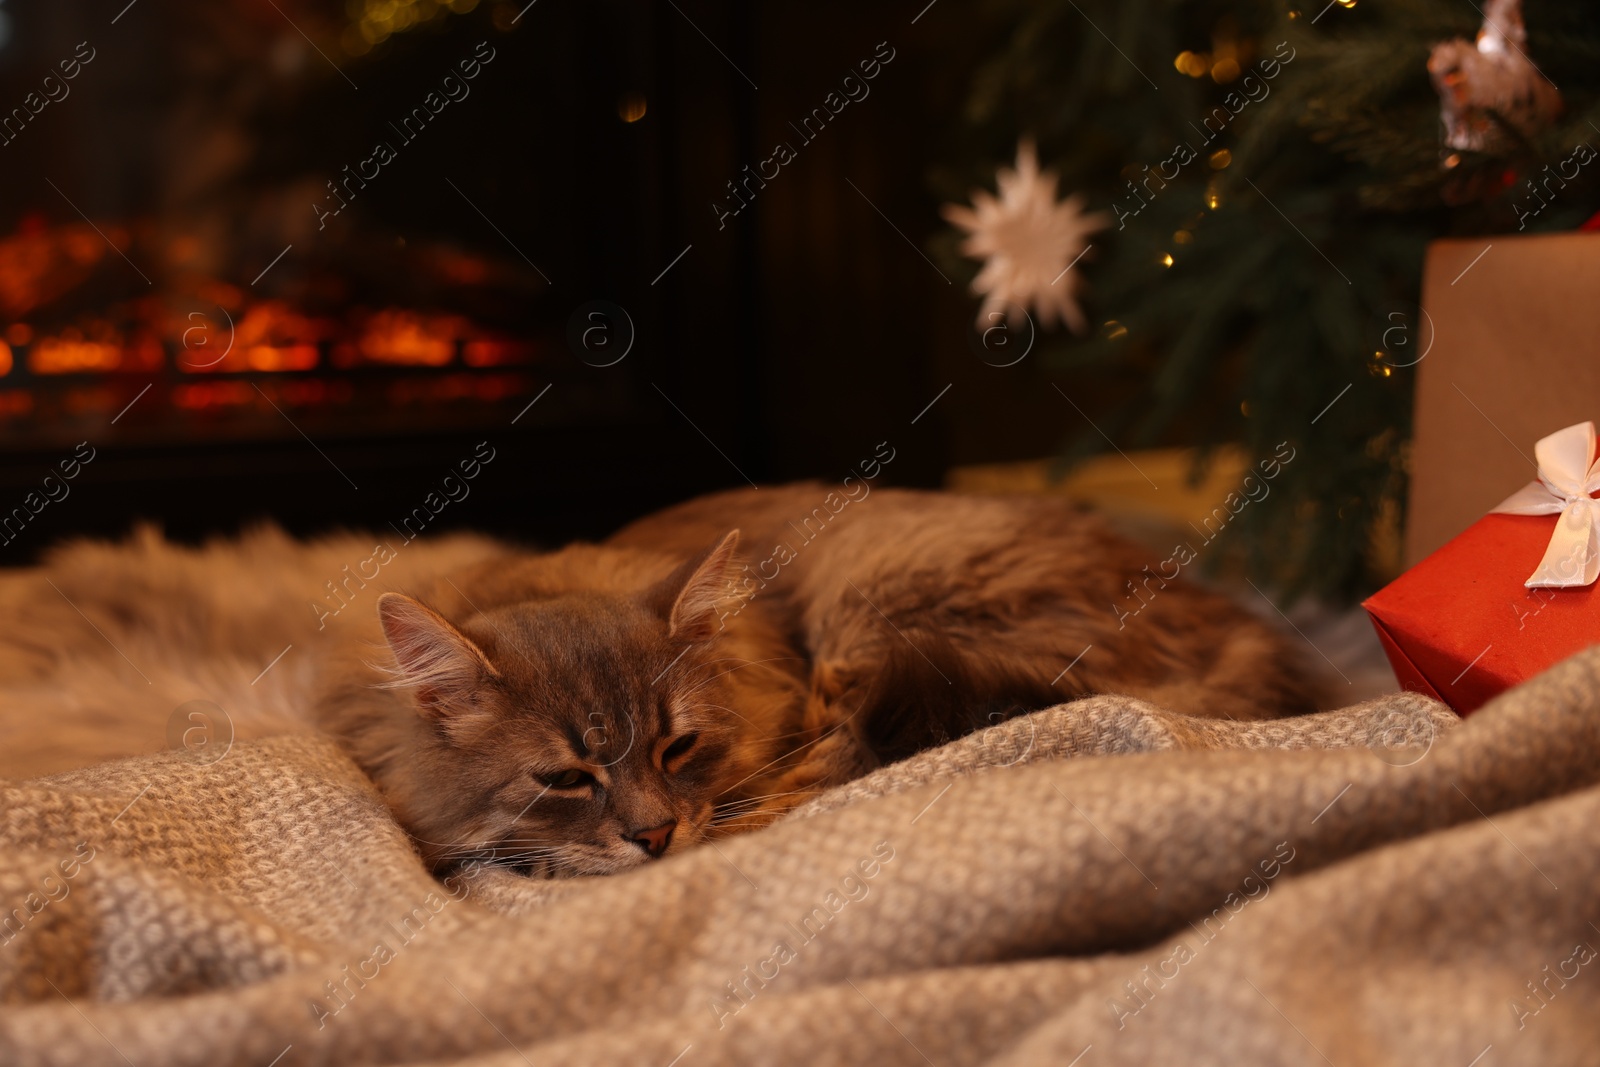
(692, 596)
(434, 658)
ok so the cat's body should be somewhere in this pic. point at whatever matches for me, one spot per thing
(586, 710)
(1008, 591)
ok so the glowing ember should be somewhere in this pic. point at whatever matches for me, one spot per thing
(71, 353)
(38, 264)
(410, 338)
(270, 336)
(214, 352)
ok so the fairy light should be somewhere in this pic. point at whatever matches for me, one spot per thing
(1166, 259)
(1222, 63)
(1225, 70)
(375, 21)
(1220, 158)
(631, 107)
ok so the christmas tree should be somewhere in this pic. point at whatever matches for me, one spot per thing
(1271, 176)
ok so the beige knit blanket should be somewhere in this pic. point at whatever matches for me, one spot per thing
(1100, 883)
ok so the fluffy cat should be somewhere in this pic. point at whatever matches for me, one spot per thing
(591, 709)
(588, 710)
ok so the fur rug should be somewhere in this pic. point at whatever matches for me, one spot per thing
(106, 641)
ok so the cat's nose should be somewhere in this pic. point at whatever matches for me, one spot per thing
(656, 839)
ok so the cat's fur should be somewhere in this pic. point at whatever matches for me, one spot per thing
(980, 604)
(698, 682)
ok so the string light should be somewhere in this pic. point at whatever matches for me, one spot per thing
(375, 21)
(1222, 62)
(631, 107)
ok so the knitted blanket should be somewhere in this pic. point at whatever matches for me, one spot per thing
(1099, 883)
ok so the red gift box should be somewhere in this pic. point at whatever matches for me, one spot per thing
(1461, 626)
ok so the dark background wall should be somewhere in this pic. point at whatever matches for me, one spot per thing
(783, 344)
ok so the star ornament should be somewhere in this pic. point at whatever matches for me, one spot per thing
(1029, 242)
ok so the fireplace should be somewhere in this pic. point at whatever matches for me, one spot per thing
(283, 257)
(193, 357)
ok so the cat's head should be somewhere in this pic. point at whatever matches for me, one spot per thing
(578, 734)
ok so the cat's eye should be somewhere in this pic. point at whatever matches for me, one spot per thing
(677, 750)
(571, 778)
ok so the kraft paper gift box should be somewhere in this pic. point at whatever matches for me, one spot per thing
(1505, 351)
(1513, 594)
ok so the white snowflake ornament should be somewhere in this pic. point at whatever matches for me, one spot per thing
(1029, 242)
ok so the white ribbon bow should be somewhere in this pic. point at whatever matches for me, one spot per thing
(1567, 479)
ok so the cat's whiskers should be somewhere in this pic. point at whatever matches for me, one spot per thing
(754, 799)
(764, 737)
(721, 674)
(757, 818)
(518, 859)
(457, 845)
(504, 851)
(749, 806)
(787, 755)
(493, 850)
(719, 707)
(742, 665)
(536, 856)
(705, 682)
